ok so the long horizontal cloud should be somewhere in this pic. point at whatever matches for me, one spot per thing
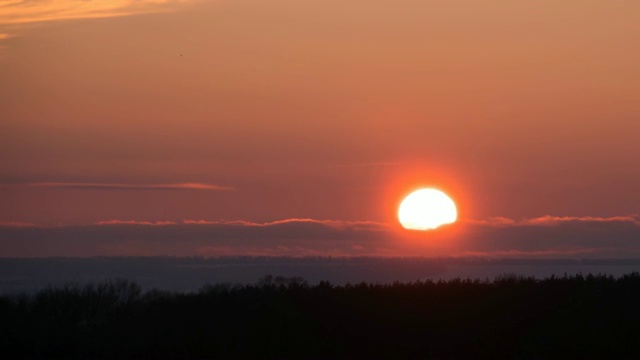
(16, 224)
(553, 220)
(117, 186)
(555, 237)
(337, 224)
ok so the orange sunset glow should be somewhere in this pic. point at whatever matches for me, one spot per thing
(298, 128)
(317, 179)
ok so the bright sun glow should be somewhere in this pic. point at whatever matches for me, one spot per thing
(427, 209)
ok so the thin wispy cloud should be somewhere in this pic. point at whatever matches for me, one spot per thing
(549, 220)
(541, 253)
(15, 14)
(374, 164)
(338, 224)
(133, 222)
(121, 186)
(492, 221)
(29, 11)
(16, 224)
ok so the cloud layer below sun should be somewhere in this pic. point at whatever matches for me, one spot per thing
(562, 237)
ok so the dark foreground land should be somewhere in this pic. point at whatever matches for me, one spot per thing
(510, 317)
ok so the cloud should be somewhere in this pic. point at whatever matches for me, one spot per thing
(16, 224)
(292, 237)
(492, 221)
(554, 220)
(116, 186)
(338, 224)
(374, 164)
(14, 14)
(617, 236)
(29, 11)
(133, 222)
(571, 237)
(538, 253)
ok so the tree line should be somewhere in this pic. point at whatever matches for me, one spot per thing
(581, 316)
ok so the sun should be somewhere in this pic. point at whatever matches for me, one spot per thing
(427, 209)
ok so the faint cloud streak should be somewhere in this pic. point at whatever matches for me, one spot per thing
(549, 220)
(336, 224)
(492, 221)
(16, 224)
(117, 186)
(29, 11)
(539, 253)
(552, 220)
(133, 222)
(373, 164)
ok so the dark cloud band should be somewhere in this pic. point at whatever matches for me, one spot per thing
(571, 237)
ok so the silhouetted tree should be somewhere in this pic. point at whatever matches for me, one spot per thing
(582, 316)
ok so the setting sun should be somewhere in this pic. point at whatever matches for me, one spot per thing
(427, 209)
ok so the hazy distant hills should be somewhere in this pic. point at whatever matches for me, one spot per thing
(190, 274)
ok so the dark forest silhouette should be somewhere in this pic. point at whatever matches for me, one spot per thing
(510, 317)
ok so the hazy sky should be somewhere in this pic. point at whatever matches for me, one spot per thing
(260, 111)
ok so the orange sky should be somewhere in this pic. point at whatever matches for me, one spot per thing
(316, 109)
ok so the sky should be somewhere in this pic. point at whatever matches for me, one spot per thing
(287, 127)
